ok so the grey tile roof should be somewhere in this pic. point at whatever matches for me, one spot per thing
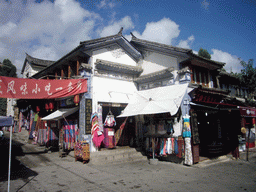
(155, 75)
(36, 62)
(136, 41)
(122, 68)
(207, 60)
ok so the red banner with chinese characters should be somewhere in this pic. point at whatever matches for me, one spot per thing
(247, 111)
(20, 88)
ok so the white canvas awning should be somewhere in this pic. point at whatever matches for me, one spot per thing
(158, 100)
(60, 113)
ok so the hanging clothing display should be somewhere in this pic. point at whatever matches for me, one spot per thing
(118, 133)
(186, 126)
(163, 147)
(52, 134)
(100, 118)
(110, 120)
(187, 137)
(188, 152)
(109, 132)
(41, 133)
(33, 125)
(97, 135)
(69, 134)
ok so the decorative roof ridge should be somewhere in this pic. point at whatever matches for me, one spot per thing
(203, 58)
(212, 90)
(36, 60)
(157, 73)
(85, 66)
(102, 39)
(118, 65)
(137, 40)
(228, 74)
(183, 70)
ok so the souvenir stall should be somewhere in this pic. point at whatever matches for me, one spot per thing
(163, 123)
(116, 133)
(247, 137)
(66, 128)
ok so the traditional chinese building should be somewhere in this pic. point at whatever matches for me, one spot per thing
(163, 99)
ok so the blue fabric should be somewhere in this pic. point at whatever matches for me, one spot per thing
(186, 134)
(176, 149)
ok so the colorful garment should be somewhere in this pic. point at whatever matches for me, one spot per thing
(186, 126)
(188, 152)
(163, 147)
(110, 120)
(97, 135)
(109, 138)
(118, 133)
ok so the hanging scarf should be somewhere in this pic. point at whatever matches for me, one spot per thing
(97, 135)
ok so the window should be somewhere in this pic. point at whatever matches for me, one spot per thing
(200, 76)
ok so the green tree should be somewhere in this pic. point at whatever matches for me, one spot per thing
(248, 79)
(9, 70)
(204, 53)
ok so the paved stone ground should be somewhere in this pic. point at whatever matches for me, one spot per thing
(35, 170)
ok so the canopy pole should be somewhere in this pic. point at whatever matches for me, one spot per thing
(10, 155)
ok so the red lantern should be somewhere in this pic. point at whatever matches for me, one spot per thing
(76, 99)
(51, 106)
(46, 106)
(37, 109)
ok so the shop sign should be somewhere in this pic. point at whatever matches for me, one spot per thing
(247, 112)
(88, 109)
(21, 88)
(67, 102)
(205, 98)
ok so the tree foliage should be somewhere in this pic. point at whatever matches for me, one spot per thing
(9, 70)
(248, 76)
(248, 79)
(204, 53)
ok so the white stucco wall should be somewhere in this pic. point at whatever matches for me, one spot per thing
(29, 70)
(155, 62)
(113, 54)
(112, 90)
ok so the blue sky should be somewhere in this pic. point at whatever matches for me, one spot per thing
(50, 29)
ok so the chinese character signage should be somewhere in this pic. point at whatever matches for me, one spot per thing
(88, 108)
(20, 88)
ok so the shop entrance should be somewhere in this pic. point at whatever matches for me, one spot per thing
(122, 132)
(218, 131)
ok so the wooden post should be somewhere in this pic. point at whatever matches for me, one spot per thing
(153, 147)
(77, 68)
(62, 73)
(69, 71)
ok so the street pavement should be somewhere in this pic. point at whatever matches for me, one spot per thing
(33, 169)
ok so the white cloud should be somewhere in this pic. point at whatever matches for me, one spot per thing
(114, 28)
(44, 30)
(163, 31)
(232, 62)
(186, 43)
(105, 4)
(43, 52)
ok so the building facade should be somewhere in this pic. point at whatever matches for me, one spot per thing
(164, 99)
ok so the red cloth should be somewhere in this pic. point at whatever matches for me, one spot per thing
(97, 139)
(21, 88)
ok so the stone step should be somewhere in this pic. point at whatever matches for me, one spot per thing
(117, 155)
